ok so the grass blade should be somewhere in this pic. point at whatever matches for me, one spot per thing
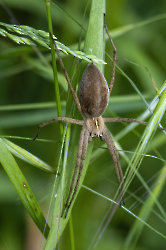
(97, 48)
(18, 180)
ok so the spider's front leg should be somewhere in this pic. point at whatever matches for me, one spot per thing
(62, 119)
(115, 156)
(82, 149)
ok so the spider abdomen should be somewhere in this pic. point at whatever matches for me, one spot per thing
(93, 92)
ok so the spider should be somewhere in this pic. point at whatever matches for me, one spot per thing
(91, 102)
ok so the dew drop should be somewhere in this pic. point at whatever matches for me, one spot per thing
(24, 185)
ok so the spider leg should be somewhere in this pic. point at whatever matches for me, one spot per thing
(82, 149)
(127, 120)
(67, 79)
(111, 146)
(62, 119)
(114, 56)
(124, 120)
(76, 167)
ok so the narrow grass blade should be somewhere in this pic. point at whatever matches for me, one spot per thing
(124, 29)
(57, 94)
(26, 156)
(146, 138)
(138, 226)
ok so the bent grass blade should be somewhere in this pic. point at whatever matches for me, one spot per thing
(26, 156)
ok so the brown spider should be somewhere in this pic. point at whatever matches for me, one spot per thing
(93, 99)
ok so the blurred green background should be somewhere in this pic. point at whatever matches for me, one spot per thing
(23, 81)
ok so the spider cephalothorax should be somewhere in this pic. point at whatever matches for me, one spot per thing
(95, 126)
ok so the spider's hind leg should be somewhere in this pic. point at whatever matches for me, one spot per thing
(115, 156)
(82, 149)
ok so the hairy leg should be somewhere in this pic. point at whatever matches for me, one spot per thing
(62, 119)
(112, 149)
(67, 79)
(82, 148)
(127, 120)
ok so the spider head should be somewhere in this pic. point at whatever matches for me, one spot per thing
(95, 126)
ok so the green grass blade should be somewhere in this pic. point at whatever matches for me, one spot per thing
(146, 138)
(71, 233)
(42, 37)
(137, 228)
(18, 180)
(42, 105)
(124, 29)
(141, 117)
(58, 223)
(54, 65)
(26, 156)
